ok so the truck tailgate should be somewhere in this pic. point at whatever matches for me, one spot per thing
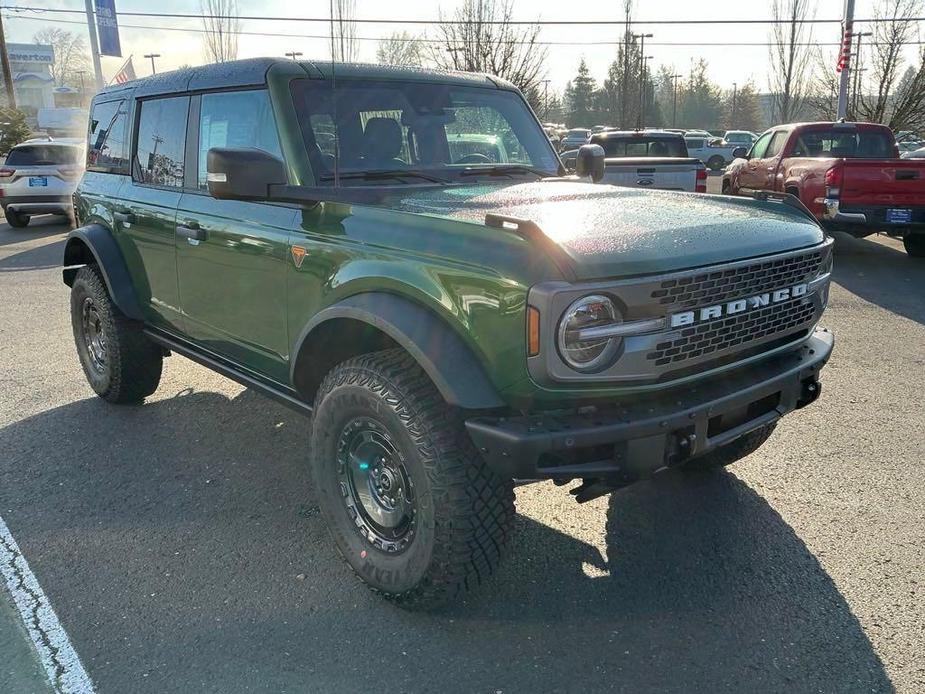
(883, 182)
(668, 173)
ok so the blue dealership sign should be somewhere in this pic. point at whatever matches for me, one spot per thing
(107, 27)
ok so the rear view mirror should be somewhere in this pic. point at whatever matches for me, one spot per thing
(590, 162)
(243, 174)
(740, 153)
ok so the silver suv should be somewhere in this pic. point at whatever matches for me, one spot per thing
(39, 177)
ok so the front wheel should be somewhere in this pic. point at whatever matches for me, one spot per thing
(412, 506)
(716, 162)
(915, 245)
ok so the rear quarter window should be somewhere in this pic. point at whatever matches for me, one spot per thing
(107, 143)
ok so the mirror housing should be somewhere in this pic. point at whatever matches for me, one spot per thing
(243, 173)
(740, 153)
(590, 162)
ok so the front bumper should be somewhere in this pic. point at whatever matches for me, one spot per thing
(635, 438)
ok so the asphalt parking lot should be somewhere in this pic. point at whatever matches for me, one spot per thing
(180, 544)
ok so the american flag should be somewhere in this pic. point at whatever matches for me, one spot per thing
(126, 74)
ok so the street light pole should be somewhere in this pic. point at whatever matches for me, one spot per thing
(7, 73)
(642, 101)
(94, 44)
(674, 108)
(642, 51)
(152, 56)
(735, 93)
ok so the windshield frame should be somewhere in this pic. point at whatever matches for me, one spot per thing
(525, 129)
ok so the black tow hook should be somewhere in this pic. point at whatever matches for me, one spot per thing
(810, 391)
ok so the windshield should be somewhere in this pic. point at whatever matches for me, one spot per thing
(865, 144)
(382, 132)
(643, 147)
(43, 155)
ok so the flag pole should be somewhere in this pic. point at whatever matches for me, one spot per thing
(94, 45)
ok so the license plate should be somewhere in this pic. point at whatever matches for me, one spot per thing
(898, 216)
(38, 181)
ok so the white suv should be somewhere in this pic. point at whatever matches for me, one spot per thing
(39, 177)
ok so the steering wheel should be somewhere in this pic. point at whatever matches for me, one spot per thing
(474, 158)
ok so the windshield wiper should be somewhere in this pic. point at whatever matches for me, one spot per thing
(382, 174)
(504, 170)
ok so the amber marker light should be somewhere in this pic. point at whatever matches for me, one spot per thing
(533, 331)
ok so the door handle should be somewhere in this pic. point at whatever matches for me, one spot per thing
(191, 231)
(126, 219)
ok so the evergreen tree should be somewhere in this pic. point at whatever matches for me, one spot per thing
(700, 103)
(742, 110)
(579, 97)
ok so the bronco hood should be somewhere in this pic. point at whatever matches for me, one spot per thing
(607, 231)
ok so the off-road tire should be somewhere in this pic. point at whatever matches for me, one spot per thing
(132, 366)
(463, 510)
(716, 162)
(732, 452)
(17, 220)
(915, 245)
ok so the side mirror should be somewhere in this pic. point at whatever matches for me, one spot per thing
(243, 174)
(590, 162)
(740, 153)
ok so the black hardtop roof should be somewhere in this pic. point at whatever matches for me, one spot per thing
(253, 72)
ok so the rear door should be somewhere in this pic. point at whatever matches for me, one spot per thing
(146, 217)
(232, 255)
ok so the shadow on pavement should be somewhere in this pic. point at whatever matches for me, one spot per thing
(42, 227)
(40, 258)
(182, 549)
(881, 274)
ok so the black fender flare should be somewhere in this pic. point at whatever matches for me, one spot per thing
(107, 256)
(432, 343)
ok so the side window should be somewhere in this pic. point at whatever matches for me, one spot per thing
(236, 119)
(776, 144)
(106, 142)
(161, 141)
(760, 146)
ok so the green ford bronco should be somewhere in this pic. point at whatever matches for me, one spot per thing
(453, 323)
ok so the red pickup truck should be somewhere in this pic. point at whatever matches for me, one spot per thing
(849, 175)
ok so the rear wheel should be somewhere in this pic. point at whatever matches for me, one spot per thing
(734, 451)
(16, 219)
(716, 162)
(915, 245)
(412, 506)
(120, 363)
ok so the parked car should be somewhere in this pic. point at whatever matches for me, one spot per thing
(849, 175)
(449, 327)
(915, 154)
(699, 133)
(38, 177)
(740, 138)
(712, 151)
(574, 138)
(647, 159)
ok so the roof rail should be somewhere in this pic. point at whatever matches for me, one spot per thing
(530, 231)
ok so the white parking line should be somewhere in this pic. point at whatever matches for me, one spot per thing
(59, 659)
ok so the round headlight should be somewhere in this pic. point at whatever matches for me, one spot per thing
(587, 354)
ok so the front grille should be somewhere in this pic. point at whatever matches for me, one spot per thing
(723, 334)
(719, 285)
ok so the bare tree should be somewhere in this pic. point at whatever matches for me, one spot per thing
(221, 24)
(790, 57)
(344, 44)
(880, 99)
(70, 54)
(481, 38)
(822, 96)
(401, 48)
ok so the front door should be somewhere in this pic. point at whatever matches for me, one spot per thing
(754, 175)
(233, 256)
(146, 215)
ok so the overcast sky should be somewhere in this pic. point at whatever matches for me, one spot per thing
(727, 64)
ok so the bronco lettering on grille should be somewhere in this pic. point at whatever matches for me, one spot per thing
(679, 320)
